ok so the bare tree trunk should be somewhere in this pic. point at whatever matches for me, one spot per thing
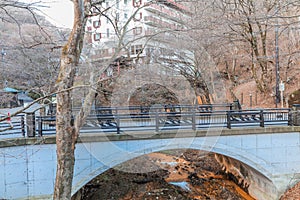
(66, 134)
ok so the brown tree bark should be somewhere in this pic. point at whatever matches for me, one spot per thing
(66, 133)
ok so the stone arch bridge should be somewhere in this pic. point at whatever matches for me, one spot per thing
(269, 157)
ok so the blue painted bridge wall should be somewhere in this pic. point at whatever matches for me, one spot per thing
(28, 172)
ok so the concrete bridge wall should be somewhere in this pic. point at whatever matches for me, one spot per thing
(28, 171)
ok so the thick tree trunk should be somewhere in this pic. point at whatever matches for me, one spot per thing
(66, 133)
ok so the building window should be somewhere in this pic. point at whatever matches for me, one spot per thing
(125, 15)
(137, 3)
(125, 2)
(117, 17)
(97, 36)
(138, 17)
(96, 24)
(137, 49)
(137, 30)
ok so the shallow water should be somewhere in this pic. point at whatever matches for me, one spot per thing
(184, 185)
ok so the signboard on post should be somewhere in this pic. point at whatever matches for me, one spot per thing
(281, 89)
(281, 86)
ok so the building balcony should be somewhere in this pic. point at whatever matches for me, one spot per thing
(156, 22)
(174, 5)
(167, 13)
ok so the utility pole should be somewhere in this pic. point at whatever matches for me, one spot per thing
(277, 99)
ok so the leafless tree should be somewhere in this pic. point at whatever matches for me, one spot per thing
(30, 47)
(241, 37)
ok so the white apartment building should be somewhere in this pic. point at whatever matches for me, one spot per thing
(143, 26)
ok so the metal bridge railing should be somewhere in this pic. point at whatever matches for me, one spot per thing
(170, 117)
(13, 127)
(258, 117)
(156, 118)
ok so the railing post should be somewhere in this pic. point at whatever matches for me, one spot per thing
(156, 120)
(23, 126)
(290, 118)
(194, 118)
(117, 121)
(30, 124)
(228, 115)
(118, 124)
(40, 126)
(261, 117)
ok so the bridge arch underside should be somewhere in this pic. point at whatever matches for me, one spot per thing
(250, 170)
